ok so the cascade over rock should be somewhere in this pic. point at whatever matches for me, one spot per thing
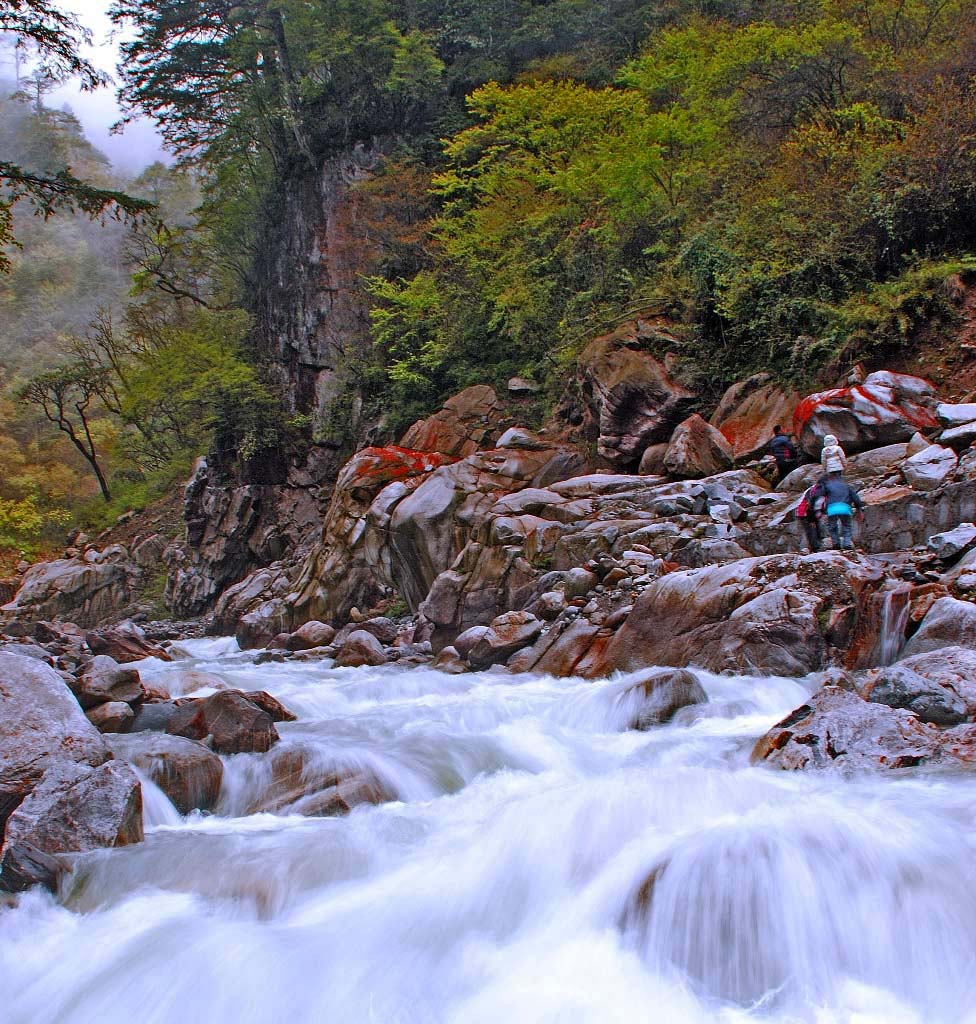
(186, 771)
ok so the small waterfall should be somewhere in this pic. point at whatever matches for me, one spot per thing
(157, 808)
(892, 621)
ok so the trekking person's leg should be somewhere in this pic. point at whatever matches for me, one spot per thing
(813, 534)
(846, 528)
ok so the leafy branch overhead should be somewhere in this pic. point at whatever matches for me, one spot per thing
(55, 37)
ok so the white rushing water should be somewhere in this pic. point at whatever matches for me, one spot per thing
(540, 865)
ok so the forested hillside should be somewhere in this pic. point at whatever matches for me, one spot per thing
(789, 183)
(787, 187)
(105, 357)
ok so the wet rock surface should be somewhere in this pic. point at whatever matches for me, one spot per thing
(837, 729)
(74, 808)
(227, 721)
(186, 771)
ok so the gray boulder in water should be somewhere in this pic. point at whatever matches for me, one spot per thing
(660, 694)
(75, 808)
(41, 725)
(837, 729)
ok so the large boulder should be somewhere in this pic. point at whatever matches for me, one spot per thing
(837, 729)
(125, 643)
(233, 724)
(776, 615)
(656, 697)
(948, 623)
(360, 648)
(466, 422)
(186, 771)
(748, 412)
(103, 679)
(627, 398)
(938, 686)
(495, 643)
(80, 590)
(929, 468)
(74, 808)
(311, 634)
(885, 409)
(949, 545)
(41, 724)
(950, 415)
(697, 449)
(341, 573)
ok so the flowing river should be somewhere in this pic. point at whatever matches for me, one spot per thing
(541, 864)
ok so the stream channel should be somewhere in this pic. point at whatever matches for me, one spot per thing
(540, 864)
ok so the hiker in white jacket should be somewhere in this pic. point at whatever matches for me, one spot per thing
(832, 458)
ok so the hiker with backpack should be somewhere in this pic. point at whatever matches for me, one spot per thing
(841, 502)
(809, 512)
(784, 452)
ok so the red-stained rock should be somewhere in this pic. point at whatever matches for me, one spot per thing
(466, 422)
(748, 412)
(885, 409)
(337, 575)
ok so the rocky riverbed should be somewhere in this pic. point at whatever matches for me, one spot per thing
(485, 570)
(516, 847)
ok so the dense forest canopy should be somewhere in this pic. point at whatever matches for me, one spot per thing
(758, 172)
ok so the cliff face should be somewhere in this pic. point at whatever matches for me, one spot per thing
(311, 310)
(311, 319)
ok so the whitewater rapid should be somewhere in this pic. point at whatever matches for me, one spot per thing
(509, 879)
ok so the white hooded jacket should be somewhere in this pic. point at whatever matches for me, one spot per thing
(832, 458)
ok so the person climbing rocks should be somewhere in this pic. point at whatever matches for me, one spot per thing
(841, 500)
(810, 511)
(832, 456)
(783, 451)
